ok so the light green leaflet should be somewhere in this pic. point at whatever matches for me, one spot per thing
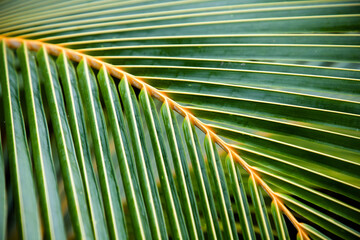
(187, 197)
(206, 196)
(19, 157)
(146, 178)
(78, 129)
(109, 186)
(260, 209)
(3, 200)
(41, 149)
(240, 196)
(173, 208)
(329, 223)
(314, 233)
(279, 220)
(222, 195)
(316, 197)
(127, 168)
(68, 162)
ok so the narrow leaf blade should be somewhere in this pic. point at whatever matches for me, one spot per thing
(206, 197)
(110, 191)
(173, 207)
(127, 168)
(41, 149)
(187, 197)
(67, 156)
(260, 209)
(240, 199)
(19, 157)
(3, 198)
(222, 194)
(78, 129)
(146, 178)
(279, 220)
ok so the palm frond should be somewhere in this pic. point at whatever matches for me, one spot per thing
(272, 88)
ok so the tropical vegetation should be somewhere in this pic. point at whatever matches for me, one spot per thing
(189, 119)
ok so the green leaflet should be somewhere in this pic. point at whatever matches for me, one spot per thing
(254, 13)
(3, 198)
(176, 11)
(323, 18)
(222, 195)
(41, 149)
(314, 233)
(287, 164)
(126, 162)
(173, 207)
(311, 195)
(274, 111)
(187, 198)
(260, 209)
(109, 186)
(146, 179)
(297, 147)
(279, 221)
(78, 129)
(19, 157)
(323, 220)
(241, 201)
(241, 51)
(206, 196)
(70, 169)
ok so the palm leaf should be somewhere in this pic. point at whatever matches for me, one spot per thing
(266, 94)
